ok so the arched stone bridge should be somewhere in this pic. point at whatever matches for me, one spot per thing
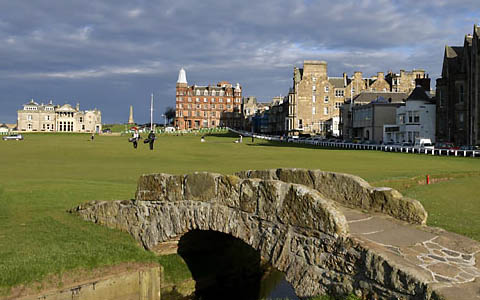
(328, 232)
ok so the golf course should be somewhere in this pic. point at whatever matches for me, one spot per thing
(46, 174)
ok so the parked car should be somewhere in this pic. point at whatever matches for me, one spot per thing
(407, 144)
(15, 137)
(469, 147)
(422, 143)
(446, 145)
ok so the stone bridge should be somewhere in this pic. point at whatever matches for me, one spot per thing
(328, 232)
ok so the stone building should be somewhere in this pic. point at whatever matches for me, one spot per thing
(458, 93)
(207, 106)
(315, 98)
(36, 117)
(405, 80)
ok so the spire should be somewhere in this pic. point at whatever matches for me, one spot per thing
(182, 76)
(130, 118)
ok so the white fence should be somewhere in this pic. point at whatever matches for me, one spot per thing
(353, 146)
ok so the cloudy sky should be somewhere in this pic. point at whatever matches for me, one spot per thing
(113, 54)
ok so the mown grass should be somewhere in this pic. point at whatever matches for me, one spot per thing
(44, 175)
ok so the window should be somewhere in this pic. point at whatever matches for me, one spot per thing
(339, 93)
(228, 100)
(205, 106)
(29, 117)
(213, 93)
(221, 106)
(300, 123)
(197, 92)
(313, 110)
(189, 99)
(213, 100)
(325, 99)
(314, 88)
(229, 106)
(205, 93)
(205, 114)
(314, 78)
(213, 106)
(416, 117)
(189, 106)
(198, 113)
(220, 100)
(212, 114)
(198, 106)
(180, 98)
(205, 100)
(461, 94)
(325, 110)
(338, 105)
(326, 89)
(81, 119)
(313, 99)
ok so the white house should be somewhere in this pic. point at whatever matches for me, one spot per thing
(416, 119)
(4, 130)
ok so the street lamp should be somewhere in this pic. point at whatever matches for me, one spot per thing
(164, 120)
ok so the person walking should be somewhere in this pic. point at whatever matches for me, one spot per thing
(151, 139)
(136, 137)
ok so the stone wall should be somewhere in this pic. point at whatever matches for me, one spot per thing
(349, 190)
(294, 227)
(144, 284)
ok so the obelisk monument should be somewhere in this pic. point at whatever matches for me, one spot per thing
(130, 118)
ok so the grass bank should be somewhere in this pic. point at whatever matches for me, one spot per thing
(46, 174)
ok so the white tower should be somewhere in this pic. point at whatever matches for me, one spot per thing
(182, 77)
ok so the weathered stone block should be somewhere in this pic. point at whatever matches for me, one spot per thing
(249, 195)
(299, 176)
(159, 187)
(200, 186)
(270, 197)
(228, 190)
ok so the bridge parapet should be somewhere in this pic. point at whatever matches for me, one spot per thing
(270, 200)
(349, 190)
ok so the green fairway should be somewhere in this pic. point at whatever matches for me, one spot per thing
(44, 175)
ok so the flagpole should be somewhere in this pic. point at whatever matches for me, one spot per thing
(151, 113)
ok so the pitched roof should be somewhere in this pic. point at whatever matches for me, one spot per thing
(367, 97)
(337, 82)
(419, 93)
(453, 51)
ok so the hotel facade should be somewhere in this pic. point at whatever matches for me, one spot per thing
(207, 106)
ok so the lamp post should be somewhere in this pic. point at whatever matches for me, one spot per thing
(164, 121)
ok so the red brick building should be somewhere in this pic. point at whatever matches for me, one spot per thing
(207, 106)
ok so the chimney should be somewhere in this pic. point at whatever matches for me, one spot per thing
(423, 82)
(345, 79)
(78, 106)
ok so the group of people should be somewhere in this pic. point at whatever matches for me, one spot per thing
(136, 137)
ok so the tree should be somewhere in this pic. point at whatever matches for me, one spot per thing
(170, 113)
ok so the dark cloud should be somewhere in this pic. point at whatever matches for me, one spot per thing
(111, 54)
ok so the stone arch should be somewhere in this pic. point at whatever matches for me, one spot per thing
(296, 229)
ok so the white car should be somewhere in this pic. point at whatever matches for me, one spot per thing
(16, 137)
